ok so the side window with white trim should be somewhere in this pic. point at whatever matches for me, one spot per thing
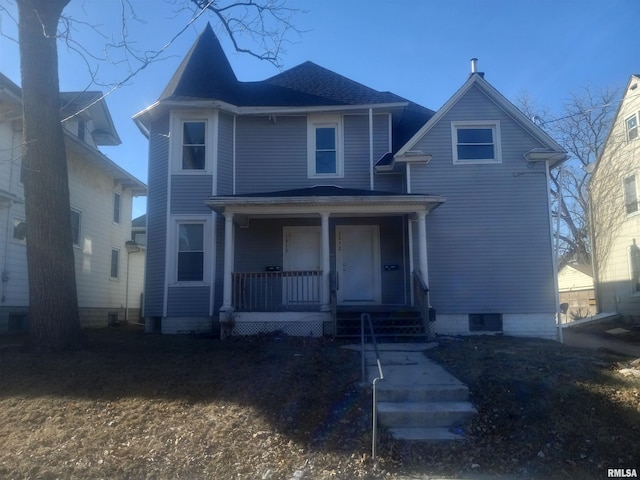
(476, 142)
(325, 152)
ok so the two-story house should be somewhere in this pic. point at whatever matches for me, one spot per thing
(289, 203)
(101, 195)
(615, 210)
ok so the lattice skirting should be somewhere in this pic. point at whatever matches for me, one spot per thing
(295, 324)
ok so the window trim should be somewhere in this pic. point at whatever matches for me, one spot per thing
(494, 125)
(79, 243)
(178, 119)
(624, 195)
(324, 121)
(117, 251)
(208, 245)
(117, 212)
(21, 241)
(634, 129)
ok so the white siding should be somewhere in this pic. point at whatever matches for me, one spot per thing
(615, 231)
(91, 193)
(12, 253)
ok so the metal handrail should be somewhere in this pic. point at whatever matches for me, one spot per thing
(367, 317)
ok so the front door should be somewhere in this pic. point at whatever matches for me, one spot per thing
(302, 252)
(358, 264)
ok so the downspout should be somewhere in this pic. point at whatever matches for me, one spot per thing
(594, 258)
(131, 248)
(8, 229)
(557, 243)
(371, 185)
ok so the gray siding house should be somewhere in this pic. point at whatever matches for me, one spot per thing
(297, 202)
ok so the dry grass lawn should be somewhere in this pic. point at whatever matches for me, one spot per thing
(137, 406)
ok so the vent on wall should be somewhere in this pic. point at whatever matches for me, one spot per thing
(485, 322)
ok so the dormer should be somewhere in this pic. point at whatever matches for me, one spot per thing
(86, 116)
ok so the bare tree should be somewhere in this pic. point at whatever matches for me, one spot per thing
(53, 306)
(54, 319)
(581, 128)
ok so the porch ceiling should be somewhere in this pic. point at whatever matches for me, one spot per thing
(335, 201)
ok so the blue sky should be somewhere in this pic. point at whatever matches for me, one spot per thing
(419, 49)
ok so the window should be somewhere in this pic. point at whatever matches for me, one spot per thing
(194, 145)
(634, 266)
(325, 146)
(632, 128)
(19, 230)
(75, 227)
(485, 322)
(630, 195)
(190, 252)
(192, 141)
(115, 263)
(116, 207)
(476, 142)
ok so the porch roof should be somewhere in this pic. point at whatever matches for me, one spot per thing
(331, 199)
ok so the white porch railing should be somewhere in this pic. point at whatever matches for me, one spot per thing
(277, 291)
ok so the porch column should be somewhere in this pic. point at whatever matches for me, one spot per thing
(228, 262)
(422, 246)
(326, 264)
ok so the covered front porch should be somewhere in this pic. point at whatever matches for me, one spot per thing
(293, 259)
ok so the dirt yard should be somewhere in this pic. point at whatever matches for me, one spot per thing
(148, 406)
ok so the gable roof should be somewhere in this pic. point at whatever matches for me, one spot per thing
(105, 133)
(93, 103)
(635, 77)
(552, 150)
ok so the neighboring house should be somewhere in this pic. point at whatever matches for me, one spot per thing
(136, 249)
(575, 283)
(615, 210)
(101, 197)
(288, 203)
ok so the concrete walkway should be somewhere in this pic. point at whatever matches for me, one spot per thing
(417, 399)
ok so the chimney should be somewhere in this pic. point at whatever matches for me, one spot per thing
(474, 67)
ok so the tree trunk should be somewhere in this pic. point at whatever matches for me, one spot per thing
(53, 305)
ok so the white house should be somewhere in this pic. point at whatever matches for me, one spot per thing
(101, 195)
(615, 209)
(575, 284)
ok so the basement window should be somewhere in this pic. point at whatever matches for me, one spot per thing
(485, 322)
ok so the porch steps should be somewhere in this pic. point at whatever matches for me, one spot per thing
(418, 400)
(391, 324)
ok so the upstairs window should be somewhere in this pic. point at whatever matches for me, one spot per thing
(632, 128)
(19, 230)
(630, 195)
(116, 207)
(75, 227)
(194, 145)
(325, 146)
(476, 142)
(192, 139)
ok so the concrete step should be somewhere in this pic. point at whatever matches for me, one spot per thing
(387, 392)
(423, 414)
(422, 434)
